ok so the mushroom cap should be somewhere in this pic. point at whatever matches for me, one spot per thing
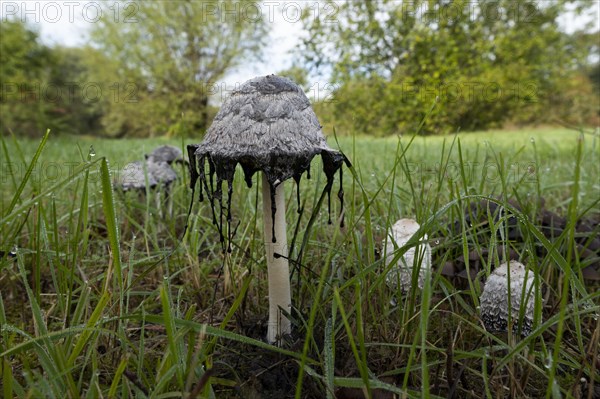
(494, 298)
(266, 125)
(161, 171)
(405, 228)
(166, 153)
(418, 256)
(133, 176)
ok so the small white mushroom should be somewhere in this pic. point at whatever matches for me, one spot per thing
(494, 298)
(419, 256)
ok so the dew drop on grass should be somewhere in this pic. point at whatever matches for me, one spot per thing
(548, 361)
(532, 140)
(92, 151)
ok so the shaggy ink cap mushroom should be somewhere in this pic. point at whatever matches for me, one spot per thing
(266, 125)
(166, 153)
(161, 171)
(419, 256)
(133, 177)
(494, 298)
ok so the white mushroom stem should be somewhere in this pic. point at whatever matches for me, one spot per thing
(277, 268)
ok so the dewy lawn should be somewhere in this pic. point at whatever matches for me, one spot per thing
(107, 296)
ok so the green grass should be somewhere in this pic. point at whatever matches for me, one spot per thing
(107, 298)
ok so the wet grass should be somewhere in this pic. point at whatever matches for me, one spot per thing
(106, 296)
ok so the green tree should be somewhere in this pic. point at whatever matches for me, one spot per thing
(44, 87)
(76, 99)
(24, 68)
(298, 75)
(167, 57)
(483, 63)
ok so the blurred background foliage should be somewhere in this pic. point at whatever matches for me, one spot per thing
(484, 64)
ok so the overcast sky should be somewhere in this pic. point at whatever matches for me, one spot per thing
(67, 23)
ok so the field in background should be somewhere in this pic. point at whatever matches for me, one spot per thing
(170, 311)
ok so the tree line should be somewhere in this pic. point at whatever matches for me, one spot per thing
(390, 65)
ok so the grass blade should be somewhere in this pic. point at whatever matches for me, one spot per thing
(23, 183)
(108, 204)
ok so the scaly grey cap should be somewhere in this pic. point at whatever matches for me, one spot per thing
(161, 171)
(267, 125)
(133, 177)
(494, 298)
(166, 153)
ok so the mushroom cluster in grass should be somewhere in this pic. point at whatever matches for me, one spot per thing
(494, 303)
(136, 176)
(154, 171)
(416, 259)
(268, 126)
